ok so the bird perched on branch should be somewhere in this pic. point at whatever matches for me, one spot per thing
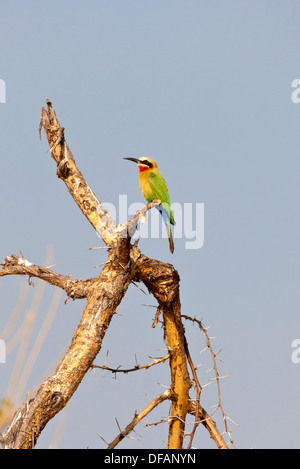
(153, 186)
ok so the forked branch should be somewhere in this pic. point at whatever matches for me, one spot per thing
(125, 264)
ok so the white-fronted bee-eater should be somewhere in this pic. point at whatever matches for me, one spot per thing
(153, 186)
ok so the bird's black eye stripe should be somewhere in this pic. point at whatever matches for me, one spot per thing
(148, 163)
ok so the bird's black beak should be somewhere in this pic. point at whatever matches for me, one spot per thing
(135, 160)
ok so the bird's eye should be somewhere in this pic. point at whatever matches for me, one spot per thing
(148, 163)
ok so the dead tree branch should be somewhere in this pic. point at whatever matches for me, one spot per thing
(15, 265)
(103, 295)
(125, 264)
(198, 388)
(217, 379)
(162, 280)
(206, 420)
(138, 417)
(135, 368)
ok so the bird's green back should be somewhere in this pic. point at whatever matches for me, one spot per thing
(160, 191)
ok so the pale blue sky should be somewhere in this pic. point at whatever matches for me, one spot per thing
(203, 87)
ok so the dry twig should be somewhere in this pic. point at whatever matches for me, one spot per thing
(135, 368)
(138, 417)
(217, 376)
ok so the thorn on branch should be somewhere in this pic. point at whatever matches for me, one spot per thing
(133, 283)
(30, 282)
(217, 376)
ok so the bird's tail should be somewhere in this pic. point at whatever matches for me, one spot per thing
(171, 242)
(166, 219)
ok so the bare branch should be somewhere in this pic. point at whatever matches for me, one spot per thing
(206, 420)
(198, 393)
(217, 376)
(15, 265)
(162, 280)
(136, 368)
(67, 170)
(138, 417)
(129, 228)
(54, 393)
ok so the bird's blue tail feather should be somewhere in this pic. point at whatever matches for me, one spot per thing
(166, 219)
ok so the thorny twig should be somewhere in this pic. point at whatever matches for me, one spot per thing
(217, 377)
(198, 393)
(138, 417)
(135, 368)
(201, 416)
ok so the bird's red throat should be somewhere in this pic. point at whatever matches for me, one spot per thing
(143, 167)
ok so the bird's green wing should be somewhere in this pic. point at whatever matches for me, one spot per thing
(160, 191)
(159, 187)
